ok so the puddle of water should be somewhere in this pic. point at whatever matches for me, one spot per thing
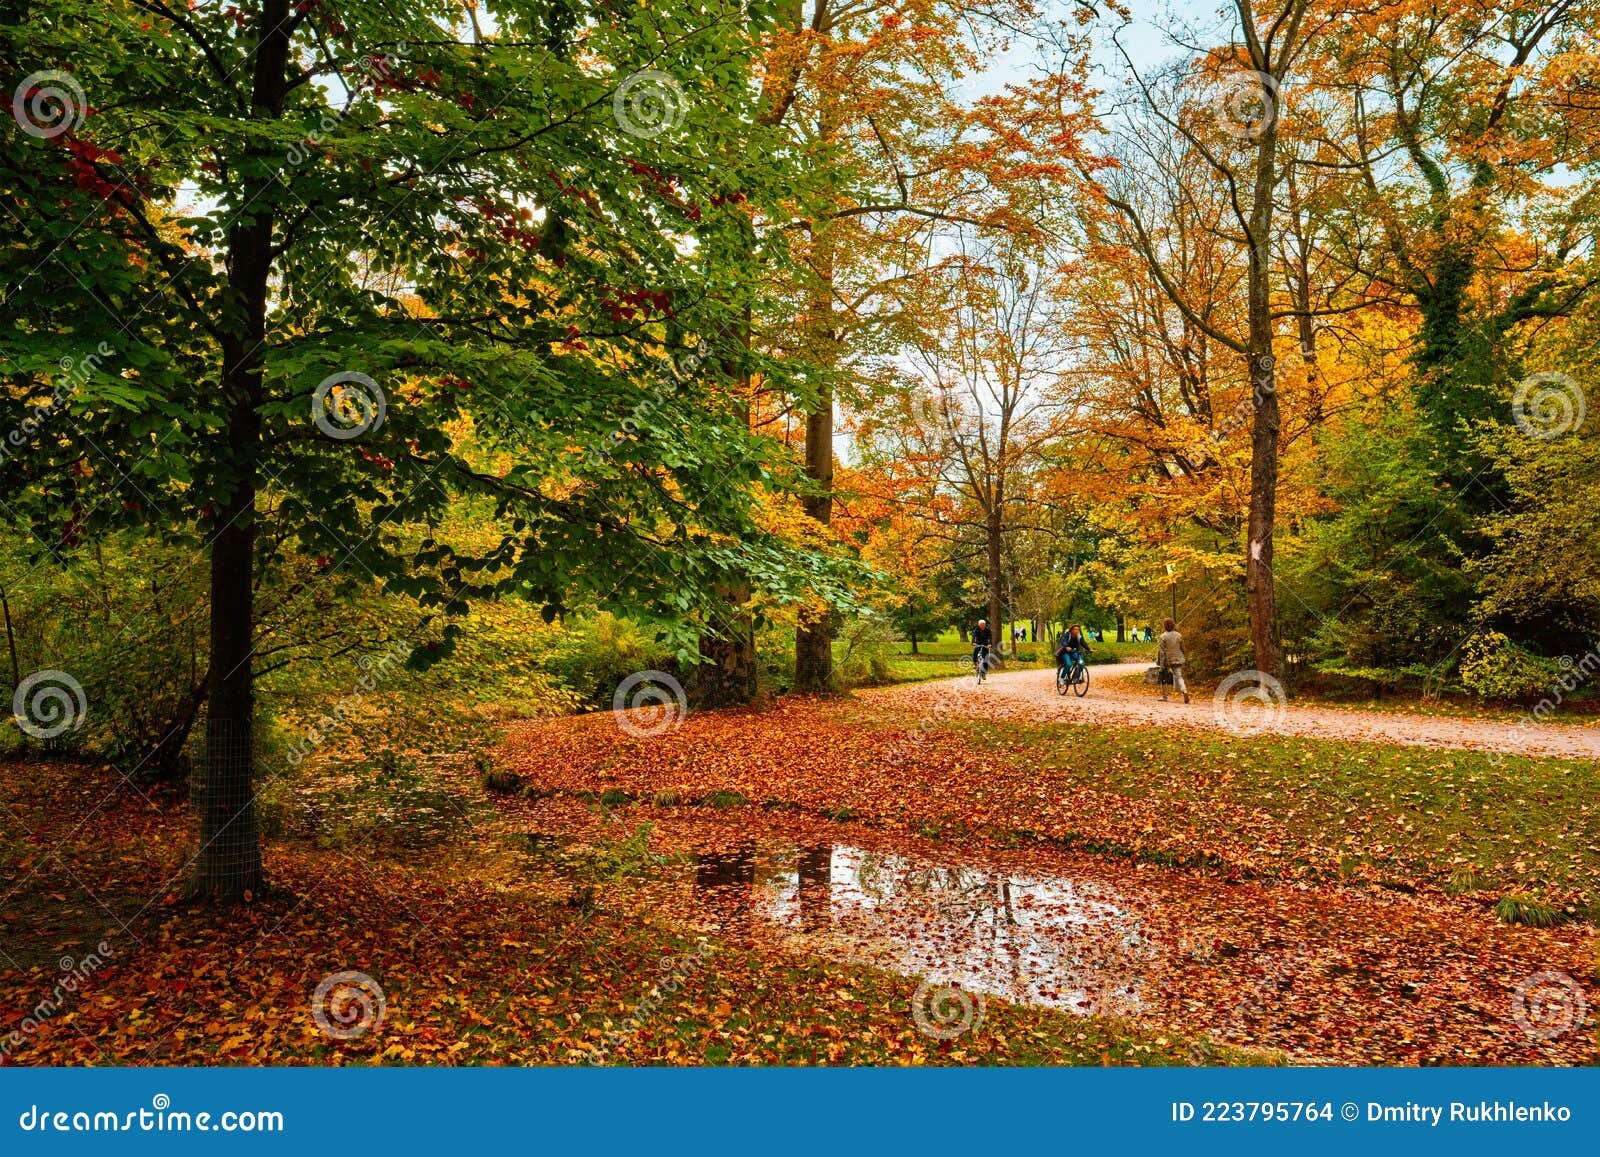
(1073, 944)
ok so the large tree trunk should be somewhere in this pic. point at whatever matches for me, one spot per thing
(993, 578)
(229, 861)
(728, 677)
(1260, 593)
(813, 642)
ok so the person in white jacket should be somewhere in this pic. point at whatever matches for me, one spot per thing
(1169, 657)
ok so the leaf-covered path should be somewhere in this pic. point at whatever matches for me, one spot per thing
(1118, 695)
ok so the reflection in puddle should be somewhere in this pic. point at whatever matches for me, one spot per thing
(1072, 944)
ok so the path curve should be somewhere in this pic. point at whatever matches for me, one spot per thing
(1117, 693)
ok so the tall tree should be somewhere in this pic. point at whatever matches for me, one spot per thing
(540, 215)
(1241, 149)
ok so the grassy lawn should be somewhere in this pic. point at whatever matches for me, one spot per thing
(1467, 822)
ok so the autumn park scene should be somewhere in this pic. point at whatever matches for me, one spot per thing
(800, 533)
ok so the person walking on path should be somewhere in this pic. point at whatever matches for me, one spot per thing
(1169, 657)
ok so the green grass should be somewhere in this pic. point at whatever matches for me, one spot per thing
(1522, 910)
(1463, 821)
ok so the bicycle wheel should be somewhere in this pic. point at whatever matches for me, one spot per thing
(1080, 682)
(1061, 681)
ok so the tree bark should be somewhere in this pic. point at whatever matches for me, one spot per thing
(228, 865)
(993, 533)
(813, 642)
(1260, 592)
(729, 675)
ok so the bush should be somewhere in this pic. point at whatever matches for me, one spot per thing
(128, 623)
(862, 650)
(1496, 668)
(596, 654)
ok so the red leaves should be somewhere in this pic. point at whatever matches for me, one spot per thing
(83, 164)
(637, 303)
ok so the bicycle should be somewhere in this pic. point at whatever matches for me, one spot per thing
(980, 662)
(1074, 673)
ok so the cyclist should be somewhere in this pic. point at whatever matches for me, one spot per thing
(982, 639)
(1074, 646)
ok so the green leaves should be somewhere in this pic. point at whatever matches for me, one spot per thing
(469, 219)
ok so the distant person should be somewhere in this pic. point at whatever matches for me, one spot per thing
(982, 640)
(1169, 657)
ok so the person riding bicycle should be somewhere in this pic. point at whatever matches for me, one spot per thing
(982, 640)
(1074, 645)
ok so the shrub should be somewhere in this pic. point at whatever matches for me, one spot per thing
(862, 650)
(596, 654)
(127, 621)
(1496, 668)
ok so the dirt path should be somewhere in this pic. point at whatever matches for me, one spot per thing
(1118, 694)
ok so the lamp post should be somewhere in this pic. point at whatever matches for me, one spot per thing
(1172, 588)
